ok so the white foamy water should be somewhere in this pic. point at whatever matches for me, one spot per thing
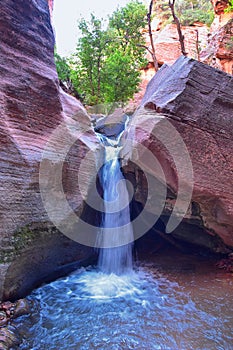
(144, 310)
(98, 285)
(113, 307)
(116, 236)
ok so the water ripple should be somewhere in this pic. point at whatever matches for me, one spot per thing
(142, 310)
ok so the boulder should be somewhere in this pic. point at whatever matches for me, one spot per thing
(182, 137)
(3, 318)
(22, 307)
(34, 113)
(113, 124)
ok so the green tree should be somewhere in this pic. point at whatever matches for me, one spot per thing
(191, 11)
(106, 65)
(126, 25)
(64, 73)
(63, 69)
(121, 77)
(87, 62)
(230, 6)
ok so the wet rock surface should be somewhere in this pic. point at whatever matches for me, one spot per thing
(111, 125)
(9, 337)
(226, 263)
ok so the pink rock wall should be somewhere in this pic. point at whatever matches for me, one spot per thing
(32, 106)
(197, 101)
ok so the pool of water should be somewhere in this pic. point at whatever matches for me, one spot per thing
(172, 303)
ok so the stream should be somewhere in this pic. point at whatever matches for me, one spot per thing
(165, 300)
(160, 305)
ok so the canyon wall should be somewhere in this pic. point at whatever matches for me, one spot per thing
(210, 45)
(32, 108)
(219, 50)
(46, 135)
(187, 102)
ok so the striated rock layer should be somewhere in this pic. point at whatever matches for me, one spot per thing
(192, 102)
(32, 108)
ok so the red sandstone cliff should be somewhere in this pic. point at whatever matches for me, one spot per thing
(215, 43)
(219, 51)
(32, 107)
(191, 102)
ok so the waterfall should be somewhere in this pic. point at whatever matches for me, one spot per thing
(116, 235)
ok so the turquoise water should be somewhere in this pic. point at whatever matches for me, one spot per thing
(151, 308)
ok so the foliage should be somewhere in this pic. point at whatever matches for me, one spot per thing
(63, 69)
(188, 11)
(230, 7)
(105, 67)
(190, 16)
(64, 73)
(87, 62)
(163, 11)
(126, 25)
(121, 77)
(191, 11)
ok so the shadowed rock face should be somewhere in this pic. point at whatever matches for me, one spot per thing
(197, 100)
(32, 107)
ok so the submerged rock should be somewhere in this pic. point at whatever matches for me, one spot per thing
(195, 100)
(3, 318)
(10, 310)
(22, 307)
(9, 338)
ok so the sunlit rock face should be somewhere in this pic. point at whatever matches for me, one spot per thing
(32, 108)
(219, 51)
(50, 3)
(167, 45)
(197, 101)
(209, 45)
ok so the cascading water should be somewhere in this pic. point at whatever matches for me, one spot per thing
(114, 307)
(116, 235)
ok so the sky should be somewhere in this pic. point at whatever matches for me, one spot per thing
(66, 14)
